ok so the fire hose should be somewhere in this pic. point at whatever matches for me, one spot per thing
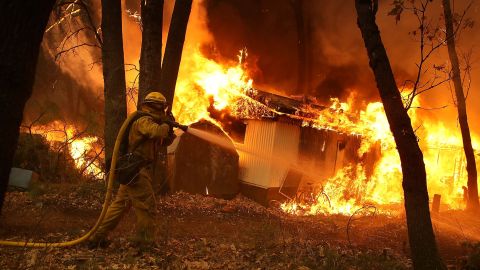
(106, 203)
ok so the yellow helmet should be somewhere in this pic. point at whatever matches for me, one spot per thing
(156, 98)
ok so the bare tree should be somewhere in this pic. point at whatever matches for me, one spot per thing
(430, 39)
(421, 237)
(151, 53)
(472, 202)
(22, 24)
(76, 24)
(113, 73)
(174, 47)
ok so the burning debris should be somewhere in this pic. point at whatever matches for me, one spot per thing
(297, 126)
(84, 151)
(345, 153)
(364, 167)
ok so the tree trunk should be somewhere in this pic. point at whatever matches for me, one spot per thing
(421, 237)
(113, 73)
(151, 53)
(301, 45)
(150, 76)
(472, 202)
(174, 47)
(22, 24)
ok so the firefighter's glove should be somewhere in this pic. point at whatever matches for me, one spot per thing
(177, 125)
(183, 127)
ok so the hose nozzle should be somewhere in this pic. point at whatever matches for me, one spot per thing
(177, 125)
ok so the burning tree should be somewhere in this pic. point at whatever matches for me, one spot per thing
(421, 237)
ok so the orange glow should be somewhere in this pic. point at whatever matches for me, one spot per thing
(79, 147)
(443, 157)
(226, 87)
(208, 80)
(205, 84)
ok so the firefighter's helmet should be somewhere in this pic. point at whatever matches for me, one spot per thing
(155, 98)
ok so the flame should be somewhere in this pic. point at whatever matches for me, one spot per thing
(350, 189)
(226, 87)
(205, 84)
(80, 147)
(208, 80)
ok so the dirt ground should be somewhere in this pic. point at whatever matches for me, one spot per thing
(198, 232)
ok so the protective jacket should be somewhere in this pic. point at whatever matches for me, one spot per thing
(144, 136)
(145, 133)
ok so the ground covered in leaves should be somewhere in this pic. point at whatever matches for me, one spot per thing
(198, 232)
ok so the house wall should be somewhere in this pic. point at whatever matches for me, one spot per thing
(258, 143)
(324, 152)
(269, 149)
(285, 152)
(319, 152)
(272, 148)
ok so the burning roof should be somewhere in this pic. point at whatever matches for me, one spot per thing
(301, 110)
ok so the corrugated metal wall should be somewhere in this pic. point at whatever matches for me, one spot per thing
(321, 153)
(269, 147)
(259, 138)
(285, 149)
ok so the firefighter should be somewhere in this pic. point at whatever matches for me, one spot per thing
(144, 135)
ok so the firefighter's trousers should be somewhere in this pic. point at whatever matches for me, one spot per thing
(140, 195)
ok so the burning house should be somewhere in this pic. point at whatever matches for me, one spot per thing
(283, 154)
(327, 157)
(340, 155)
(324, 157)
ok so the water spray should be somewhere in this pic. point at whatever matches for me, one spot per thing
(224, 143)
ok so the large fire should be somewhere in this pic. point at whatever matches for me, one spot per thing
(205, 84)
(226, 87)
(443, 157)
(208, 81)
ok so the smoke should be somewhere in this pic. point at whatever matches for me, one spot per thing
(69, 83)
(267, 28)
(339, 61)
